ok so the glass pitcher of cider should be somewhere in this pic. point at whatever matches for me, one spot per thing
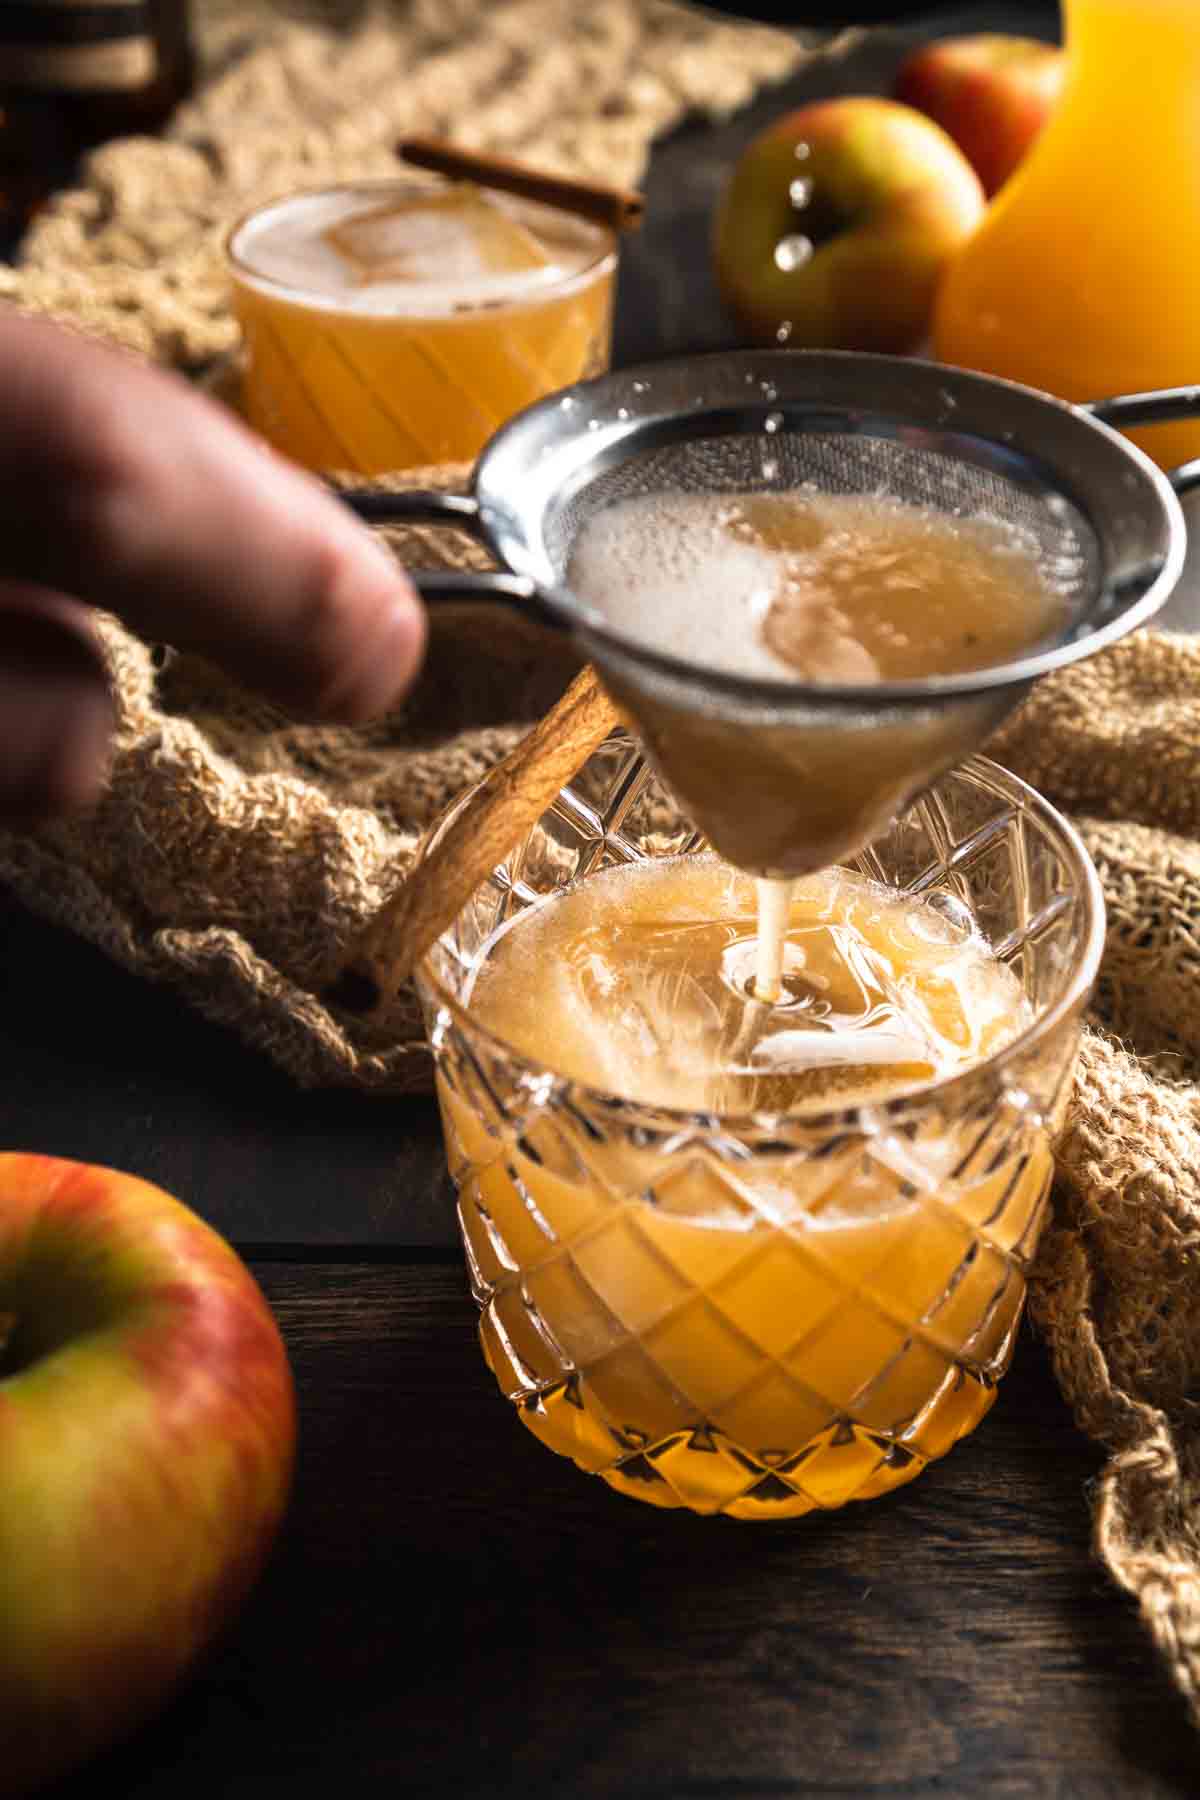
(1082, 278)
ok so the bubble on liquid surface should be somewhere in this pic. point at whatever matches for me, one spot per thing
(836, 588)
(943, 919)
(772, 422)
(667, 570)
(802, 990)
(800, 192)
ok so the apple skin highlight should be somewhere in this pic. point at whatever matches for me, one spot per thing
(147, 1437)
(873, 198)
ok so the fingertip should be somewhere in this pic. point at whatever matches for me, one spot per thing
(56, 721)
(409, 633)
(75, 773)
(380, 643)
(410, 636)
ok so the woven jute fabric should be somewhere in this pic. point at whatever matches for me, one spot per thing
(237, 853)
(1116, 1289)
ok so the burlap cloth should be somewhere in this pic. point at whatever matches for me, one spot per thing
(236, 852)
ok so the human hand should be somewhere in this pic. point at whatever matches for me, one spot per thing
(122, 487)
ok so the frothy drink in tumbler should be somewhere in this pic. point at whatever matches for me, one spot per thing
(390, 325)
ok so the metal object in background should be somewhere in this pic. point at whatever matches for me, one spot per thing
(73, 74)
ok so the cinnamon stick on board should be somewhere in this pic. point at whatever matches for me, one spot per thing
(507, 803)
(620, 209)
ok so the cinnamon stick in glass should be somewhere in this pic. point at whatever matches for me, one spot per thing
(507, 803)
(620, 209)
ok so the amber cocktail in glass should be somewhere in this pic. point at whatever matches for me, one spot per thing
(774, 1301)
(391, 325)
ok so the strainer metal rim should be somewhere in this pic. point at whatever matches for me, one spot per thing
(562, 607)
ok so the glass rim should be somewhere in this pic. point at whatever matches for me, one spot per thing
(670, 1121)
(604, 262)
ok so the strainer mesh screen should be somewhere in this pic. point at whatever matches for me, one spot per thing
(900, 468)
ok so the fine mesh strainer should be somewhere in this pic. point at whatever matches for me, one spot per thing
(828, 766)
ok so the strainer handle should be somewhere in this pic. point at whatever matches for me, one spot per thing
(500, 588)
(1161, 406)
(420, 506)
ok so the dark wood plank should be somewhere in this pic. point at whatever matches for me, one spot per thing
(105, 1067)
(454, 1609)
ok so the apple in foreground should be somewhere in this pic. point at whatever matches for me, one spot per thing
(991, 93)
(147, 1426)
(837, 222)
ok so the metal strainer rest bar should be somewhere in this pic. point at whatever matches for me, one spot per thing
(1105, 522)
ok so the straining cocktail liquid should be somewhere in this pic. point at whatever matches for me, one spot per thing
(836, 1319)
(764, 1333)
(831, 589)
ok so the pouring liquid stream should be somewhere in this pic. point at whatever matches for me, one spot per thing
(774, 912)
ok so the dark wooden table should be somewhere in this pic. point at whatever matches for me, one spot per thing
(452, 1609)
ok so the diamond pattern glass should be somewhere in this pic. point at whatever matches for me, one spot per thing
(337, 388)
(645, 1308)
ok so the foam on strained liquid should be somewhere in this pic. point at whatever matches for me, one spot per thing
(842, 588)
(666, 571)
(814, 590)
(373, 251)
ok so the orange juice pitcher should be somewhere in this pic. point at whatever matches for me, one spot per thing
(1084, 277)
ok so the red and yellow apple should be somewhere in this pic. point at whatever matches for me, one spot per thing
(837, 222)
(147, 1426)
(991, 93)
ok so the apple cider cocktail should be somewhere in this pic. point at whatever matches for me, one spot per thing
(389, 325)
(748, 1182)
